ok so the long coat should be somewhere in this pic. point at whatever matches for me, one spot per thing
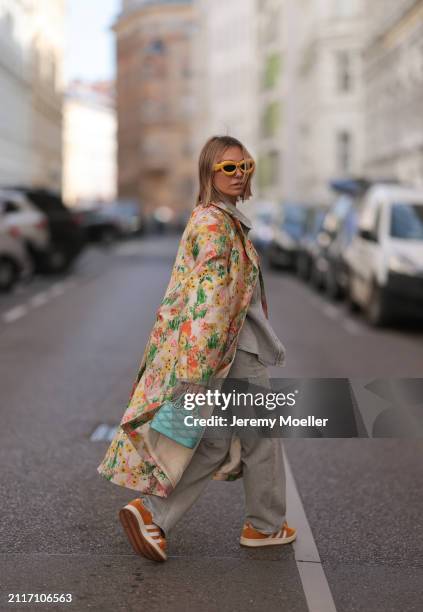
(193, 339)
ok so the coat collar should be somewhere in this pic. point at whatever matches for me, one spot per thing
(235, 212)
(241, 219)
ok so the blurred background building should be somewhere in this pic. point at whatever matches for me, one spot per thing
(329, 126)
(394, 90)
(317, 89)
(89, 143)
(270, 52)
(31, 57)
(287, 77)
(225, 67)
(155, 103)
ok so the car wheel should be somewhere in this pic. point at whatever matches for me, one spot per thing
(108, 236)
(56, 260)
(9, 274)
(376, 310)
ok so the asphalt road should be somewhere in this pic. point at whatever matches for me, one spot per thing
(69, 351)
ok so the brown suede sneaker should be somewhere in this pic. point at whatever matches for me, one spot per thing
(147, 539)
(252, 537)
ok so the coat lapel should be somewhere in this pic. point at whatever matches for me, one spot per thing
(250, 251)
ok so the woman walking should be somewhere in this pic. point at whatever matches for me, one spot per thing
(211, 324)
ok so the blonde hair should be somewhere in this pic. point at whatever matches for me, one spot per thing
(209, 153)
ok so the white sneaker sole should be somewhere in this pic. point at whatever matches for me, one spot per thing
(255, 543)
(139, 534)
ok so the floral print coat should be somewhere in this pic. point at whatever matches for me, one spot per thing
(193, 339)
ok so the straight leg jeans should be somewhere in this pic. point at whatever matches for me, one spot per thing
(262, 468)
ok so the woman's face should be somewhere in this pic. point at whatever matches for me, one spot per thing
(230, 186)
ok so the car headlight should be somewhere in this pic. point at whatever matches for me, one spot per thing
(402, 265)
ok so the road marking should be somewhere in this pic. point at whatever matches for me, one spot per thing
(330, 311)
(57, 289)
(39, 299)
(313, 579)
(352, 327)
(103, 432)
(15, 313)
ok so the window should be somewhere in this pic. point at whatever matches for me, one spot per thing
(343, 71)
(155, 47)
(271, 119)
(268, 169)
(407, 221)
(343, 151)
(272, 70)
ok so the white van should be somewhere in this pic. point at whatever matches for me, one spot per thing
(385, 258)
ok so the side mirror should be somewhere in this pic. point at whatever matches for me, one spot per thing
(367, 234)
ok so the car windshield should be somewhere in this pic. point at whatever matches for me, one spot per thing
(407, 221)
(294, 220)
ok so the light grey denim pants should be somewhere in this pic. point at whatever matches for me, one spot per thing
(262, 468)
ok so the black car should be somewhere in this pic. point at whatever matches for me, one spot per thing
(98, 225)
(66, 236)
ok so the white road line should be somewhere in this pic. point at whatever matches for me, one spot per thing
(103, 432)
(330, 311)
(14, 314)
(57, 289)
(316, 588)
(352, 327)
(39, 300)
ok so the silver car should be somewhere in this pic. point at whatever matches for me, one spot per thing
(15, 263)
(18, 214)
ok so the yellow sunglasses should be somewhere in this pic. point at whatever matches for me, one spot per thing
(229, 167)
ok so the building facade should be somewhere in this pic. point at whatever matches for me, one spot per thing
(31, 58)
(329, 120)
(155, 103)
(89, 143)
(394, 91)
(271, 102)
(225, 69)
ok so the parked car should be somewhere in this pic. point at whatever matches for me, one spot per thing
(288, 230)
(307, 244)
(263, 215)
(15, 263)
(385, 258)
(329, 269)
(97, 225)
(126, 217)
(16, 211)
(66, 236)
